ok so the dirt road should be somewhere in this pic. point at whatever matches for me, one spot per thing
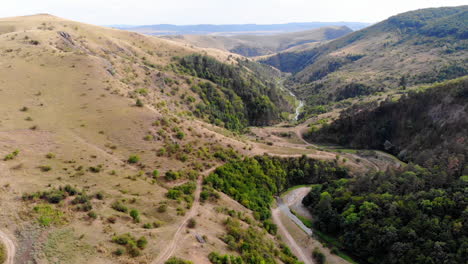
(9, 247)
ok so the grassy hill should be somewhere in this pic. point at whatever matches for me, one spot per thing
(427, 127)
(99, 138)
(258, 45)
(421, 46)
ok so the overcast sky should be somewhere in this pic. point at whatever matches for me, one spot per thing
(181, 12)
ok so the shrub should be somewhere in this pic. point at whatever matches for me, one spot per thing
(172, 175)
(318, 256)
(45, 168)
(180, 135)
(11, 155)
(155, 174)
(81, 199)
(95, 169)
(135, 215)
(133, 250)
(192, 223)
(270, 226)
(123, 239)
(139, 103)
(119, 252)
(142, 243)
(120, 207)
(50, 155)
(99, 196)
(92, 215)
(162, 208)
(133, 159)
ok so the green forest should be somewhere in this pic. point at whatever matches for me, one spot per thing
(428, 127)
(238, 95)
(254, 182)
(413, 215)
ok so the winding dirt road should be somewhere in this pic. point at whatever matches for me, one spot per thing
(9, 247)
(172, 246)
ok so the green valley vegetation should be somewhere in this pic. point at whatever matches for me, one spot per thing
(397, 216)
(238, 95)
(428, 127)
(254, 182)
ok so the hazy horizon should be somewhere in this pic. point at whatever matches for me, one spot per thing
(219, 12)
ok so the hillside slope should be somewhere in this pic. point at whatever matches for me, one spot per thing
(421, 46)
(428, 127)
(258, 45)
(98, 140)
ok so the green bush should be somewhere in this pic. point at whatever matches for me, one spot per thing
(162, 208)
(92, 215)
(133, 159)
(11, 155)
(318, 256)
(180, 135)
(155, 174)
(142, 243)
(139, 103)
(135, 215)
(192, 223)
(45, 168)
(119, 206)
(172, 175)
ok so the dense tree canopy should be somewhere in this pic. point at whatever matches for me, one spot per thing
(427, 127)
(245, 93)
(408, 216)
(255, 181)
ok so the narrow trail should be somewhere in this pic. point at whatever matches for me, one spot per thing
(172, 246)
(9, 247)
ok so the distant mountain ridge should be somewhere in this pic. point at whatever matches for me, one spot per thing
(259, 45)
(235, 29)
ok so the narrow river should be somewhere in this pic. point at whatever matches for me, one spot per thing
(299, 107)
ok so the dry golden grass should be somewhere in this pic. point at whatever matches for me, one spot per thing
(73, 94)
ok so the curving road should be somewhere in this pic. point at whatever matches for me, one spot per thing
(9, 247)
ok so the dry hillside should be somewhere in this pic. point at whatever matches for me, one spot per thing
(68, 96)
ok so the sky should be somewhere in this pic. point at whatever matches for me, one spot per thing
(184, 12)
